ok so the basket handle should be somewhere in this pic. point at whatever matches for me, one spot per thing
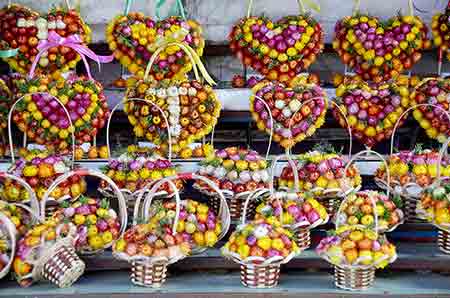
(441, 155)
(349, 130)
(12, 233)
(294, 170)
(388, 175)
(301, 5)
(357, 6)
(271, 123)
(34, 203)
(397, 124)
(92, 173)
(252, 196)
(11, 145)
(147, 101)
(191, 54)
(224, 212)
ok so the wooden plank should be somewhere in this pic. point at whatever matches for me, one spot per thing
(225, 284)
(412, 256)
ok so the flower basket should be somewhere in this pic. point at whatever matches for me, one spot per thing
(409, 184)
(295, 211)
(148, 251)
(356, 253)
(49, 256)
(99, 225)
(260, 264)
(369, 208)
(434, 204)
(134, 171)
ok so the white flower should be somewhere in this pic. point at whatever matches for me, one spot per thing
(59, 167)
(172, 91)
(203, 171)
(171, 100)
(256, 176)
(264, 175)
(175, 109)
(295, 105)
(85, 147)
(161, 93)
(183, 91)
(43, 62)
(232, 175)
(150, 91)
(42, 35)
(112, 213)
(141, 160)
(287, 112)
(260, 232)
(279, 104)
(173, 120)
(210, 169)
(21, 22)
(41, 24)
(60, 24)
(220, 172)
(192, 91)
(124, 158)
(51, 25)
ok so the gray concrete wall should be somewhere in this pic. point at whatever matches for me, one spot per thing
(218, 16)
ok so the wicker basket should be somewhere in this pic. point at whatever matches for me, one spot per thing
(444, 241)
(354, 279)
(147, 274)
(235, 205)
(260, 276)
(303, 238)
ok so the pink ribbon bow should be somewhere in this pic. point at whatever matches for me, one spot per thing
(72, 41)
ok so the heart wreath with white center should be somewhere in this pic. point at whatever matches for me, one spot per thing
(379, 51)
(134, 38)
(22, 28)
(291, 113)
(190, 108)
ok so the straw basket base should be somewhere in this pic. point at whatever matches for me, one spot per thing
(64, 267)
(444, 241)
(260, 277)
(236, 207)
(410, 209)
(354, 279)
(303, 239)
(148, 275)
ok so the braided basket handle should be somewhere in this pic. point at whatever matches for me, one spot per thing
(149, 102)
(83, 173)
(66, 112)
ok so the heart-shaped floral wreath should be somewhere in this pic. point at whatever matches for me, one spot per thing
(22, 28)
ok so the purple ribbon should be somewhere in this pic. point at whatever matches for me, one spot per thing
(74, 42)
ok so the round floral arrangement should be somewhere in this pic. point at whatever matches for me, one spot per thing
(197, 223)
(199, 151)
(235, 170)
(293, 213)
(321, 173)
(36, 244)
(433, 118)
(440, 28)
(191, 109)
(434, 205)
(39, 169)
(378, 50)
(261, 241)
(17, 215)
(296, 111)
(370, 209)
(44, 120)
(145, 241)
(135, 170)
(371, 110)
(134, 38)
(278, 50)
(23, 29)
(416, 167)
(98, 225)
(12, 191)
(355, 247)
